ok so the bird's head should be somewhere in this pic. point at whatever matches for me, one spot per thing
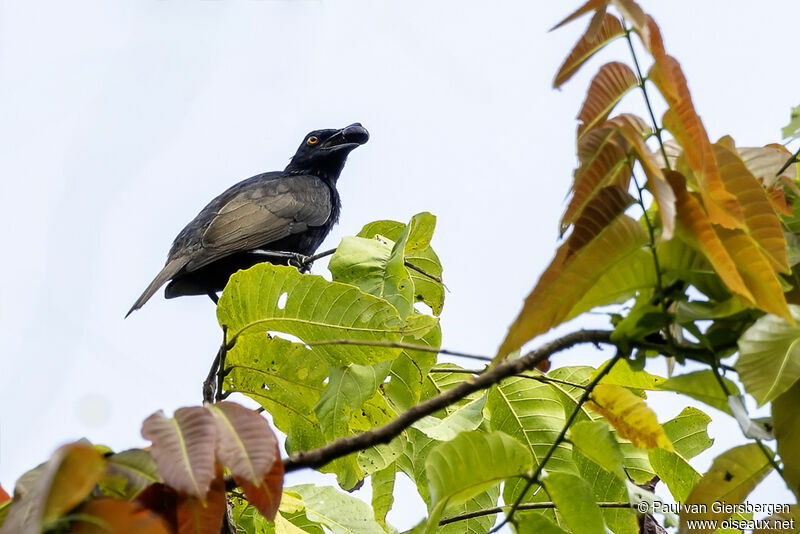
(323, 152)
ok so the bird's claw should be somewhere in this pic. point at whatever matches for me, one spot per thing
(301, 262)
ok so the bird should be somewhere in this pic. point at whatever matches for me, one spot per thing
(288, 213)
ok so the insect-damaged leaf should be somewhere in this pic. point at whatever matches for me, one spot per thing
(630, 416)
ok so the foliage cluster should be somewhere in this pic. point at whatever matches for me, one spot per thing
(347, 369)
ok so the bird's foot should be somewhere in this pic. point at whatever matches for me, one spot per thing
(301, 262)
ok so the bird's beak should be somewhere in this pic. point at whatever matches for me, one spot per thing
(347, 138)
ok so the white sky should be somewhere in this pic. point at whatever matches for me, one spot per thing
(120, 120)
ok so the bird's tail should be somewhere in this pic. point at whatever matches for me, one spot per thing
(170, 269)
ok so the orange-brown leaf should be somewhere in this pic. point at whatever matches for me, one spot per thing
(651, 38)
(777, 199)
(4, 496)
(63, 483)
(566, 280)
(587, 46)
(696, 222)
(117, 517)
(634, 130)
(605, 206)
(684, 123)
(603, 163)
(588, 7)
(266, 497)
(756, 271)
(760, 220)
(197, 516)
(609, 85)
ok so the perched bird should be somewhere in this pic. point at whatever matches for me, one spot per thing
(287, 211)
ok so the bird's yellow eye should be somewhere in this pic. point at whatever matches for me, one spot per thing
(313, 140)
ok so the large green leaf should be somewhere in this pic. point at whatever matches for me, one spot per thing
(128, 473)
(787, 431)
(339, 512)
(347, 390)
(470, 464)
(769, 356)
(383, 494)
(410, 370)
(575, 501)
(596, 441)
(608, 487)
(689, 436)
(733, 475)
(426, 269)
(464, 418)
(473, 525)
(270, 297)
(287, 380)
(377, 267)
(703, 386)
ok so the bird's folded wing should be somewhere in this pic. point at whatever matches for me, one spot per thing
(256, 217)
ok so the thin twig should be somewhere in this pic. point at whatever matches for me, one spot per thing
(544, 505)
(792, 159)
(561, 435)
(422, 272)
(538, 378)
(398, 345)
(656, 128)
(208, 383)
(221, 371)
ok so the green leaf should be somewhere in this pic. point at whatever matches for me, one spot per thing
(339, 512)
(596, 442)
(786, 423)
(608, 487)
(426, 270)
(733, 475)
(469, 464)
(769, 356)
(286, 379)
(575, 502)
(410, 370)
(347, 391)
(793, 128)
(702, 386)
(376, 267)
(532, 413)
(382, 494)
(464, 418)
(675, 471)
(278, 298)
(412, 461)
(474, 525)
(688, 432)
(128, 473)
(622, 374)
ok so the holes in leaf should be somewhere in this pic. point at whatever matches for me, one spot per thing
(282, 300)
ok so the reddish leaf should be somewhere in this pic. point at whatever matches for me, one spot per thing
(591, 5)
(246, 444)
(3, 495)
(62, 484)
(603, 163)
(586, 47)
(117, 517)
(651, 38)
(777, 199)
(196, 516)
(162, 500)
(566, 280)
(266, 497)
(183, 448)
(608, 87)
(760, 220)
(606, 205)
(684, 123)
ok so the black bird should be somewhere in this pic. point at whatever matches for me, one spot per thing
(288, 211)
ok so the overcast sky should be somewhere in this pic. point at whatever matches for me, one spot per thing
(120, 120)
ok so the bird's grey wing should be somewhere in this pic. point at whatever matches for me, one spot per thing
(257, 216)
